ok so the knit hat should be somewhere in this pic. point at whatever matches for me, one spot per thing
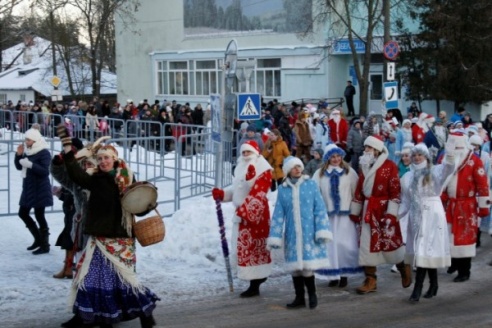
(476, 140)
(251, 128)
(407, 148)
(108, 150)
(250, 145)
(289, 163)
(456, 123)
(331, 150)
(77, 143)
(319, 151)
(33, 134)
(244, 126)
(375, 142)
(472, 129)
(422, 149)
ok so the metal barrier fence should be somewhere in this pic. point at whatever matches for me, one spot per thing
(178, 159)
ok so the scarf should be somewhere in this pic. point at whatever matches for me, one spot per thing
(123, 177)
(334, 174)
(33, 150)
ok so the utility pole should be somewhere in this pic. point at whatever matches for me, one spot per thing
(387, 31)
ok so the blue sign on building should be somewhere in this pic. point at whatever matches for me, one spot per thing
(391, 95)
(342, 46)
(248, 106)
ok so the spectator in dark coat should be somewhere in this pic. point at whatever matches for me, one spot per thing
(355, 144)
(34, 162)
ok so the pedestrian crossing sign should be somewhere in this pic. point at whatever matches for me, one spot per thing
(249, 106)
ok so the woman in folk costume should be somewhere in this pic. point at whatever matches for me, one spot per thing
(427, 245)
(301, 226)
(105, 289)
(375, 207)
(337, 182)
(467, 199)
(252, 180)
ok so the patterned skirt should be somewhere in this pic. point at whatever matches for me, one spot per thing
(105, 288)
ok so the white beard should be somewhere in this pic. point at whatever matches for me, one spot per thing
(366, 161)
(460, 156)
(242, 165)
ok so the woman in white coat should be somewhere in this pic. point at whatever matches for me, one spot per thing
(337, 182)
(427, 245)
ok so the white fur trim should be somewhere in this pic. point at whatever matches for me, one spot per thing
(393, 208)
(374, 143)
(355, 208)
(274, 242)
(482, 202)
(246, 146)
(254, 272)
(290, 163)
(324, 234)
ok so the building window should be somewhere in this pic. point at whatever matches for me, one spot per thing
(206, 77)
(22, 97)
(3, 98)
(268, 77)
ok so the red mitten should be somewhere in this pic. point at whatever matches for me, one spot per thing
(251, 173)
(354, 218)
(218, 194)
(483, 211)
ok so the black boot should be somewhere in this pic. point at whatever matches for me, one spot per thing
(33, 228)
(45, 242)
(452, 269)
(147, 322)
(433, 283)
(478, 244)
(464, 266)
(419, 283)
(299, 301)
(254, 288)
(343, 282)
(75, 322)
(311, 289)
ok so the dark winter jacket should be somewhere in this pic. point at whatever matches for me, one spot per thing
(355, 140)
(36, 186)
(104, 211)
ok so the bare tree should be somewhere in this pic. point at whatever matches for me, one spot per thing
(97, 19)
(361, 21)
(8, 25)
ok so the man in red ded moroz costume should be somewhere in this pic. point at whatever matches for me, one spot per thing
(420, 129)
(466, 198)
(252, 180)
(377, 198)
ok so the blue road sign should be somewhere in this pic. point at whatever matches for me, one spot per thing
(391, 95)
(248, 106)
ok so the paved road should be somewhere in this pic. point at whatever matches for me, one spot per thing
(467, 304)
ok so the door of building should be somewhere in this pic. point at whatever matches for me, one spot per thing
(375, 93)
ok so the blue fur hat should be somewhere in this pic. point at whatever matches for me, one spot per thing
(332, 149)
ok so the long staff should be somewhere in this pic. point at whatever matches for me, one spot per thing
(225, 248)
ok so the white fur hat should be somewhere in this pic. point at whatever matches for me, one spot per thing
(421, 148)
(289, 163)
(405, 121)
(407, 148)
(374, 142)
(476, 140)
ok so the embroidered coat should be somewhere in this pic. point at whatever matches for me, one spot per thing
(339, 132)
(466, 197)
(251, 220)
(377, 197)
(300, 224)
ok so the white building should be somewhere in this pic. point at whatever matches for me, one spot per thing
(178, 46)
(28, 71)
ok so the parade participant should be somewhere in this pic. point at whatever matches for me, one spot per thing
(337, 182)
(427, 246)
(252, 179)
(275, 151)
(65, 240)
(105, 289)
(377, 198)
(339, 129)
(301, 226)
(421, 127)
(34, 161)
(467, 199)
(303, 138)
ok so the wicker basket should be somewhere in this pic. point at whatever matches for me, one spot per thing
(149, 231)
